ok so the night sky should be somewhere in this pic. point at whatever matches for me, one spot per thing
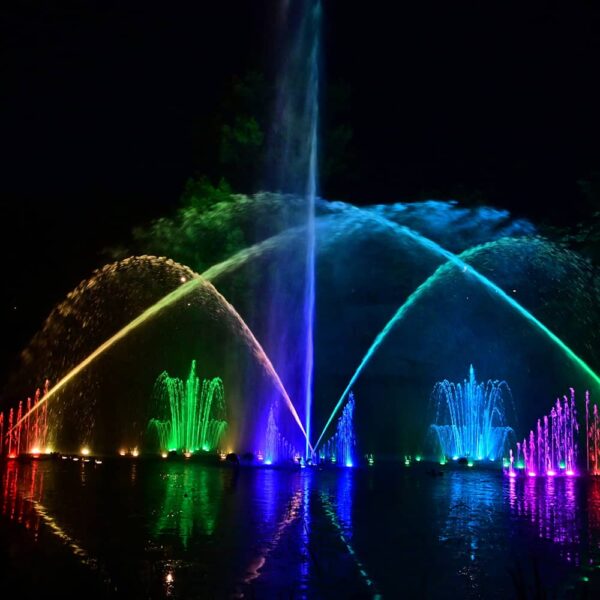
(106, 110)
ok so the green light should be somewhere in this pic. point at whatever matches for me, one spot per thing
(418, 458)
(470, 463)
(196, 412)
(584, 578)
(442, 461)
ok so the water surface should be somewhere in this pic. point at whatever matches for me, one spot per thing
(151, 528)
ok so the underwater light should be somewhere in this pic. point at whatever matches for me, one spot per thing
(551, 473)
(135, 452)
(35, 450)
(122, 452)
(268, 461)
(512, 473)
(418, 458)
(85, 451)
(470, 464)
(187, 454)
(570, 472)
(349, 463)
(164, 454)
(532, 473)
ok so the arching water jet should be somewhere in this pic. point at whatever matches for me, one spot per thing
(456, 261)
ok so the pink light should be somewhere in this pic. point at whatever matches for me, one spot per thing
(551, 473)
(570, 472)
(512, 473)
(532, 473)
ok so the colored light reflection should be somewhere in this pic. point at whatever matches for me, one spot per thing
(550, 506)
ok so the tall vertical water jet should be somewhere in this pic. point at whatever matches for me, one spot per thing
(293, 154)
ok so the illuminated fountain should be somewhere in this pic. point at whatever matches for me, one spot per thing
(552, 448)
(592, 431)
(293, 169)
(340, 448)
(26, 434)
(196, 413)
(277, 447)
(470, 418)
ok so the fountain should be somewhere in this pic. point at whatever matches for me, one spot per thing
(470, 418)
(592, 436)
(341, 447)
(29, 434)
(196, 418)
(293, 170)
(277, 447)
(552, 449)
(452, 261)
(189, 285)
(453, 237)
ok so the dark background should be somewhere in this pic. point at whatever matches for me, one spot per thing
(107, 108)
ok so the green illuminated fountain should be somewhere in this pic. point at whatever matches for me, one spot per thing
(196, 412)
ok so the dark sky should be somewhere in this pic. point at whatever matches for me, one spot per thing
(103, 105)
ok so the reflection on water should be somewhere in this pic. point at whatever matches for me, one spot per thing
(22, 495)
(173, 529)
(191, 503)
(339, 511)
(19, 493)
(550, 505)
